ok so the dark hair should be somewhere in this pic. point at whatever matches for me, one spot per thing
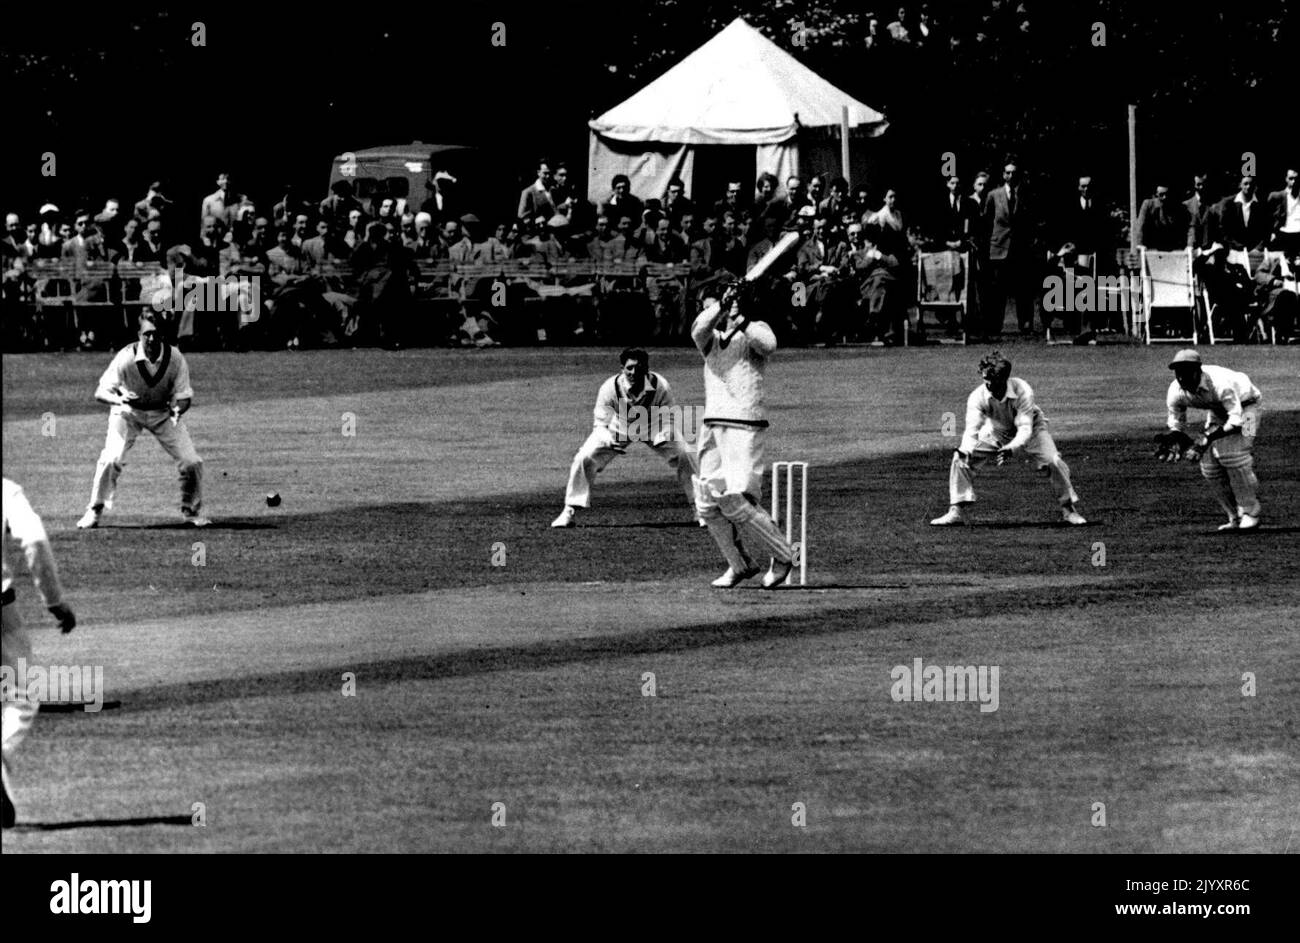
(767, 175)
(621, 178)
(634, 352)
(996, 365)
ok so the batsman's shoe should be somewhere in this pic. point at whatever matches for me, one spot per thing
(1071, 516)
(1231, 525)
(88, 520)
(776, 576)
(565, 519)
(1248, 522)
(197, 520)
(731, 578)
(954, 516)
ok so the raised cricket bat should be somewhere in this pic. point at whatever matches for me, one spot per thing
(783, 245)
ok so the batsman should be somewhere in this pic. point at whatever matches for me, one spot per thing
(1231, 404)
(729, 488)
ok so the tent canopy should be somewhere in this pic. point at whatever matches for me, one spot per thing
(738, 88)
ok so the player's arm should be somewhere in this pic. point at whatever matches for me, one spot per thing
(606, 405)
(1024, 421)
(706, 322)
(762, 339)
(112, 389)
(1232, 406)
(974, 419)
(28, 530)
(1177, 408)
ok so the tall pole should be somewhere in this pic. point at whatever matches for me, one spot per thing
(844, 144)
(1132, 179)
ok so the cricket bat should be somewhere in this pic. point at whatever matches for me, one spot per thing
(783, 245)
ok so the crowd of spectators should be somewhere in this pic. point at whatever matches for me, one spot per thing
(344, 271)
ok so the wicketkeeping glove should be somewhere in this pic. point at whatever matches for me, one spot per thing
(1171, 444)
(63, 613)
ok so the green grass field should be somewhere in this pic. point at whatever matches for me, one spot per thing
(522, 684)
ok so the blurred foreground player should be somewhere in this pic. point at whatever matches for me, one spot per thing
(634, 405)
(1231, 404)
(730, 486)
(148, 386)
(19, 712)
(1002, 420)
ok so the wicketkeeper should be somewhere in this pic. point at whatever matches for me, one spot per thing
(1231, 403)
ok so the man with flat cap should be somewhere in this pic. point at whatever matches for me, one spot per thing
(1231, 404)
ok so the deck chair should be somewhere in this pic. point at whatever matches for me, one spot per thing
(941, 285)
(1168, 285)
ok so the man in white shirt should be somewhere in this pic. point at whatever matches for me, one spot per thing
(148, 386)
(1231, 404)
(19, 711)
(1002, 421)
(633, 405)
(730, 486)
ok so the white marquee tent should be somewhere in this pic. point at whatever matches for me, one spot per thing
(737, 89)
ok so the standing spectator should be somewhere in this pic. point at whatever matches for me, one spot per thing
(221, 202)
(978, 240)
(888, 222)
(31, 243)
(1199, 208)
(151, 246)
(1085, 223)
(11, 244)
(441, 204)
(1284, 212)
(153, 202)
(341, 204)
(290, 207)
(956, 217)
(835, 205)
(676, 203)
(108, 223)
(1162, 223)
(817, 191)
(621, 201)
(85, 245)
(765, 196)
(536, 201)
(301, 233)
(561, 188)
(1241, 223)
(731, 200)
(1008, 219)
(900, 30)
(876, 37)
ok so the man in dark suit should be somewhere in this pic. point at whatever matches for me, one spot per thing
(1241, 221)
(1200, 209)
(621, 202)
(535, 201)
(1084, 221)
(957, 217)
(1162, 223)
(1008, 219)
(1284, 215)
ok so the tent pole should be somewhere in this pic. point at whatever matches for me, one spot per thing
(1132, 179)
(844, 144)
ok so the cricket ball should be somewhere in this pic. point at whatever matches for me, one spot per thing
(273, 499)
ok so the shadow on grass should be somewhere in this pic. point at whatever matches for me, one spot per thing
(105, 823)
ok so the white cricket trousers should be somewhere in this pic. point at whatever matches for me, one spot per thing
(1040, 448)
(1229, 467)
(601, 448)
(124, 424)
(18, 711)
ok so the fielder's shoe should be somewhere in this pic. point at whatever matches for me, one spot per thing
(89, 519)
(197, 520)
(731, 578)
(566, 518)
(702, 522)
(1248, 522)
(954, 516)
(8, 815)
(1072, 516)
(1231, 525)
(776, 576)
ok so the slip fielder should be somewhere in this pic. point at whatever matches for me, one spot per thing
(632, 405)
(729, 489)
(1002, 420)
(1231, 404)
(19, 711)
(148, 386)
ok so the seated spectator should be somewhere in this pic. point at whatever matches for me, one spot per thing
(354, 235)
(10, 244)
(548, 245)
(862, 202)
(495, 248)
(621, 200)
(536, 200)
(108, 222)
(30, 245)
(461, 250)
(765, 196)
(316, 251)
(838, 203)
(131, 247)
(289, 208)
(151, 244)
(816, 191)
(735, 252)
(385, 275)
(387, 212)
(876, 276)
(85, 245)
(1278, 294)
(301, 229)
(771, 232)
(666, 246)
(53, 232)
(205, 254)
(1162, 223)
(410, 238)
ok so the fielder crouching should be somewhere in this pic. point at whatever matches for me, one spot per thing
(1231, 403)
(1002, 420)
(730, 486)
